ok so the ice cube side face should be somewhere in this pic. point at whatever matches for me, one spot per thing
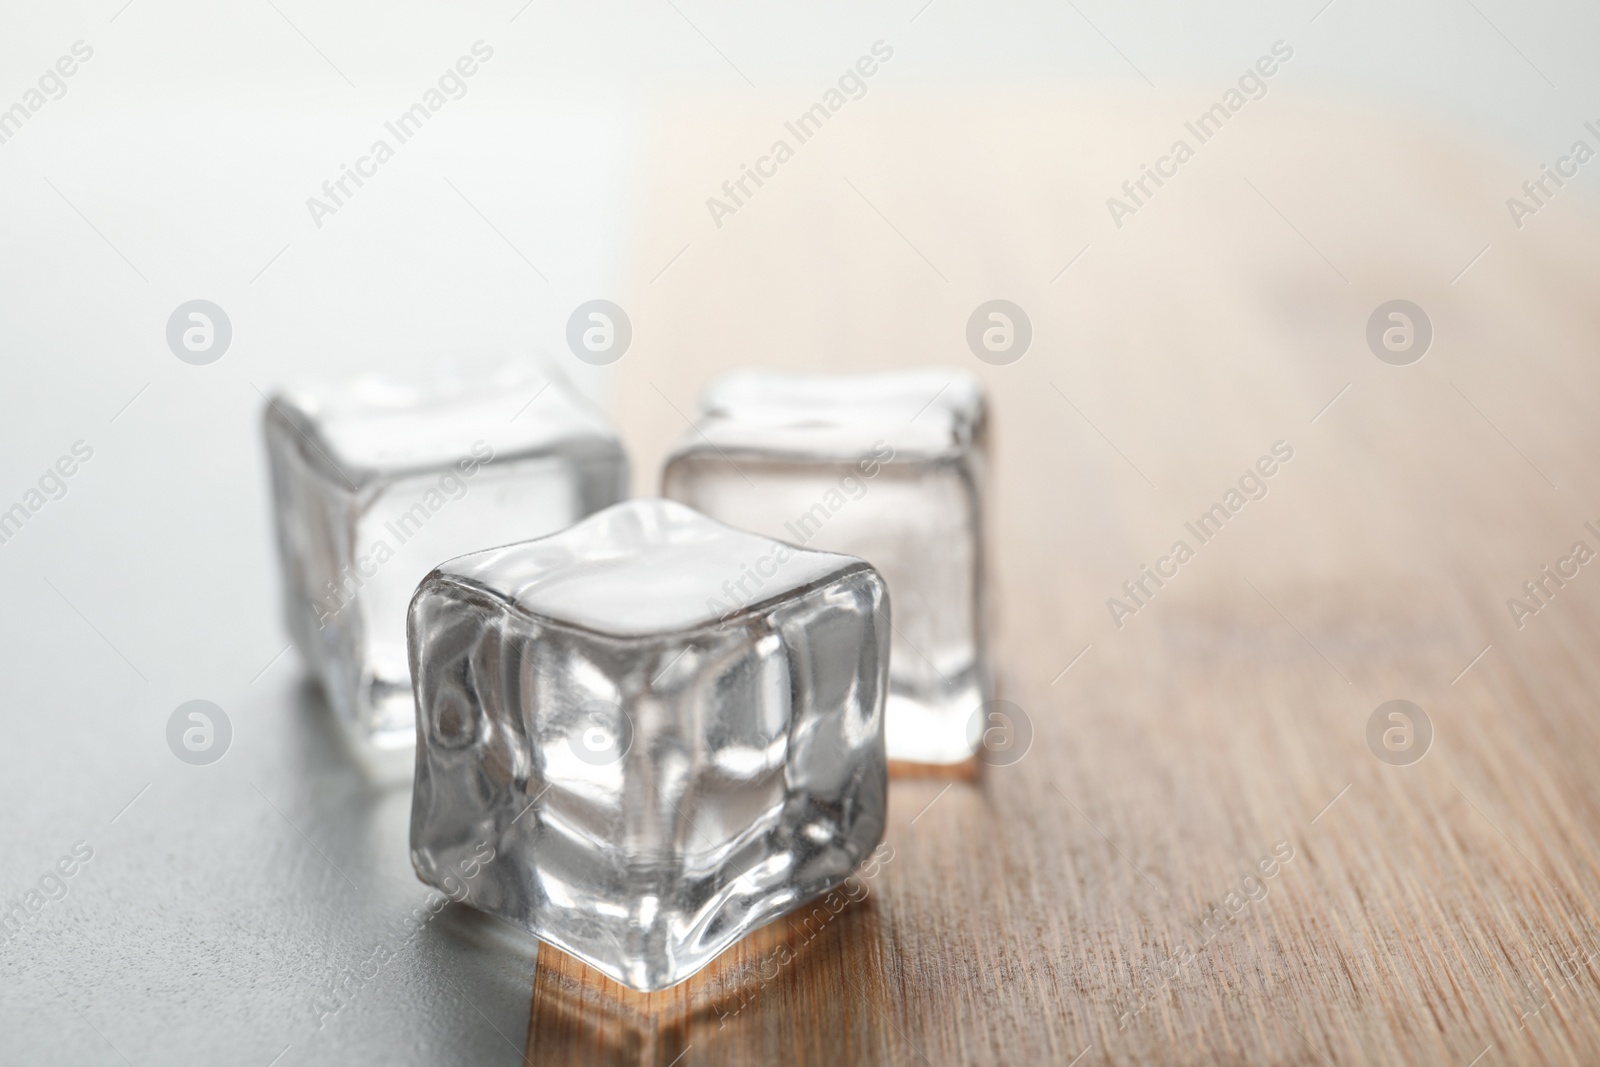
(648, 796)
(360, 521)
(867, 465)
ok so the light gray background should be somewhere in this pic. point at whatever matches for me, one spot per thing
(226, 898)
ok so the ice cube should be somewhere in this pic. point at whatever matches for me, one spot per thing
(889, 467)
(376, 481)
(655, 771)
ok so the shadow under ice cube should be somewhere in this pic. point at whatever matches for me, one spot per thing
(891, 468)
(376, 481)
(656, 776)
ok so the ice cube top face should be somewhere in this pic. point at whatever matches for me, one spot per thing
(888, 467)
(377, 481)
(654, 770)
(929, 412)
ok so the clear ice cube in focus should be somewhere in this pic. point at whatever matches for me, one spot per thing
(654, 772)
(889, 467)
(377, 480)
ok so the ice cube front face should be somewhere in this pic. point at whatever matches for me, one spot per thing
(377, 481)
(653, 772)
(888, 467)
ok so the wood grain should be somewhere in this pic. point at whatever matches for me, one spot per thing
(1440, 913)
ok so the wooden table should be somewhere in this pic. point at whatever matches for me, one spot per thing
(1105, 899)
